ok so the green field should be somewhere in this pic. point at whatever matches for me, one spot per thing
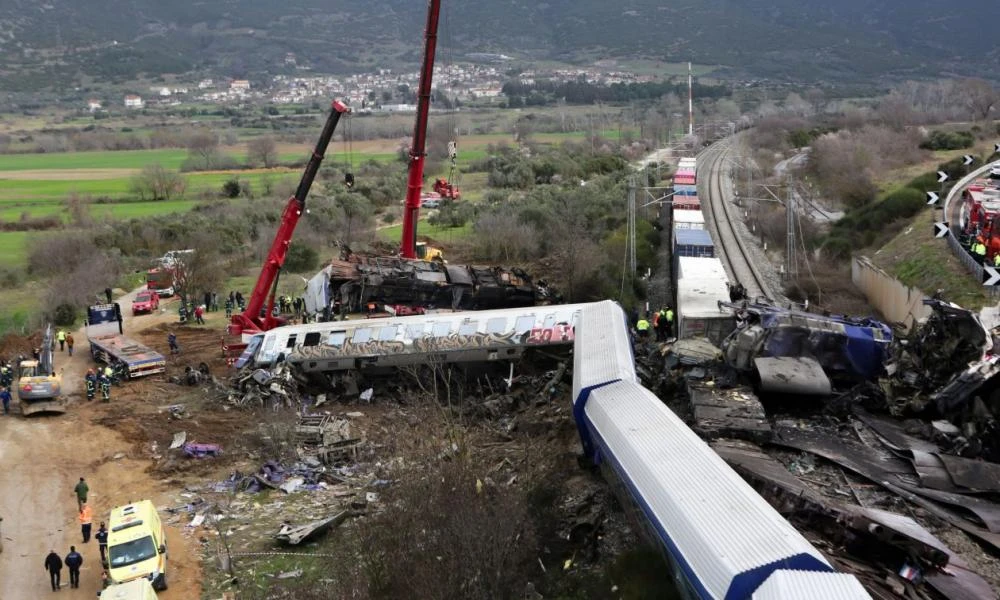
(440, 234)
(13, 248)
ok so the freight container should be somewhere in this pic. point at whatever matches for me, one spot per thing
(685, 202)
(701, 284)
(688, 219)
(693, 242)
(685, 189)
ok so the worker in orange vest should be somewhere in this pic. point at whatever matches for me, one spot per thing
(86, 522)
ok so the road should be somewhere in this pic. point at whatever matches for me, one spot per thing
(43, 458)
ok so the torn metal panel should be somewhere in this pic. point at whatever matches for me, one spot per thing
(693, 351)
(792, 375)
(983, 510)
(973, 474)
(931, 471)
(893, 435)
(900, 531)
(851, 455)
(734, 412)
(294, 535)
(908, 493)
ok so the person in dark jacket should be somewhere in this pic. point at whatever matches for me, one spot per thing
(102, 540)
(73, 562)
(53, 564)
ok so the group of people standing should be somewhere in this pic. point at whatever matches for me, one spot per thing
(662, 324)
(74, 560)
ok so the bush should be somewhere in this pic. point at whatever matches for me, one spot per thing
(301, 258)
(948, 140)
(231, 188)
(64, 315)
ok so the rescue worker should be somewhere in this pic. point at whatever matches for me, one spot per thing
(182, 313)
(81, 490)
(5, 375)
(661, 325)
(109, 372)
(53, 564)
(61, 337)
(670, 322)
(172, 342)
(229, 309)
(86, 522)
(105, 388)
(91, 382)
(979, 250)
(996, 259)
(5, 398)
(643, 328)
(102, 540)
(656, 325)
(199, 313)
(73, 562)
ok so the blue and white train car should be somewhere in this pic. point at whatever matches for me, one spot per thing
(722, 540)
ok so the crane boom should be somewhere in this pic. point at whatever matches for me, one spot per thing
(415, 183)
(250, 319)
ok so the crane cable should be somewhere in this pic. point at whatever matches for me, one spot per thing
(349, 149)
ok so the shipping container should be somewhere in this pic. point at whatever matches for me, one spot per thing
(693, 242)
(701, 284)
(685, 202)
(685, 189)
(688, 219)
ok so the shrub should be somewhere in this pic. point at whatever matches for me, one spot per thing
(231, 188)
(301, 258)
(948, 140)
(64, 315)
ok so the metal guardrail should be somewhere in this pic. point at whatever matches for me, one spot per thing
(970, 264)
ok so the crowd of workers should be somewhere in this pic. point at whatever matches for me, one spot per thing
(661, 323)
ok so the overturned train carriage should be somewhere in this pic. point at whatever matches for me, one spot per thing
(350, 285)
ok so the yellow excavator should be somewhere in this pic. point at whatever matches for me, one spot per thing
(39, 388)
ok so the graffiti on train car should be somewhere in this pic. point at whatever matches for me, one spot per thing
(457, 341)
(348, 348)
(557, 334)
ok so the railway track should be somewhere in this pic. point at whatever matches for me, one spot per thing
(723, 215)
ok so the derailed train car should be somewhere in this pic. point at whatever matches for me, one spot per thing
(349, 285)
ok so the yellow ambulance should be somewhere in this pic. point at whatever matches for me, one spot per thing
(137, 546)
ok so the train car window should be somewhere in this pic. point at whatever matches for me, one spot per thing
(496, 325)
(361, 335)
(441, 329)
(312, 339)
(336, 338)
(291, 341)
(550, 320)
(468, 328)
(387, 334)
(524, 323)
(415, 332)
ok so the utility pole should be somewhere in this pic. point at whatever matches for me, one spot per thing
(631, 226)
(690, 102)
(791, 260)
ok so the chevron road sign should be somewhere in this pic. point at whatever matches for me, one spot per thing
(942, 177)
(941, 229)
(991, 276)
(932, 198)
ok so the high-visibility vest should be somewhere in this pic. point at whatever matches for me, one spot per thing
(642, 325)
(980, 249)
(61, 336)
(670, 316)
(996, 259)
(86, 516)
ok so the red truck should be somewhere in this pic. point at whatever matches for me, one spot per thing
(161, 281)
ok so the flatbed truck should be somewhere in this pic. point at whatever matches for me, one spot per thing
(109, 345)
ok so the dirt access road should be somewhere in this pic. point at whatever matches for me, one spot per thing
(43, 457)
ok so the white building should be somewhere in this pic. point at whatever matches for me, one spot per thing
(239, 85)
(133, 101)
(94, 105)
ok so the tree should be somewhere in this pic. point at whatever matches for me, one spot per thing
(980, 97)
(201, 271)
(203, 148)
(156, 183)
(262, 151)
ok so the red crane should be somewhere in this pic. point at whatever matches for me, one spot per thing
(250, 320)
(415, 183)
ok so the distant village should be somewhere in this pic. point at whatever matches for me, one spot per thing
(384, 91)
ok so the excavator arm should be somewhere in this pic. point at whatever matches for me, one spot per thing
(250, 320)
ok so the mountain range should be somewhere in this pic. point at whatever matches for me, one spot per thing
(45, 43)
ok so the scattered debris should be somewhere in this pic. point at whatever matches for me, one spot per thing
(195, 450)
(179, 438)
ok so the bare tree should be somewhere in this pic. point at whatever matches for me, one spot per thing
(501, 236)
(817, 99)
(203, 148)
(980, 97)
(262, 151)
(156, 183)
(201, 271)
